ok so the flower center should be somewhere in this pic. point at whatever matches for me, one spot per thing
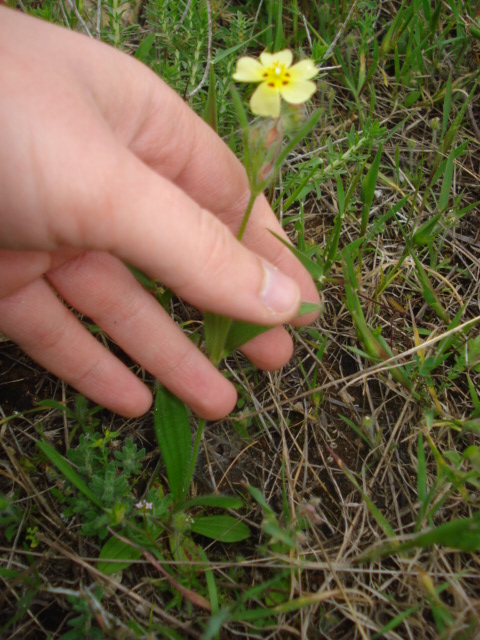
(277, 76)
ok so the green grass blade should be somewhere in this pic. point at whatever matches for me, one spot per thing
(297, 138)
(313, 268)
(302, 184)
(213, 594)
(396, 621)
(444, 198)
(374, 510)
(429, 292)
(367, 189)
(422, 470)
(225, 53)
(278, 27)
(239, 108)
(462, 534)
(426, 233)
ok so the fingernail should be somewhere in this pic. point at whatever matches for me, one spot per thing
(279, 293)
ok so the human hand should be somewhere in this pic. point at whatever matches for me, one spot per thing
(103, 164)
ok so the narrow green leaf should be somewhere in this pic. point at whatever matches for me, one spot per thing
(145, 47)
(211, 585)
(172, 430)
(474, 396)
(221, 55)
(462, 534)
(367, 190)
(427, 231)
(279, 27)
(374, 510)
(216, 329)
(412, 97)
(258, 496)
(297, 138)
(242, 332)
(340, 195)
(332, 243)
(296, 193)
(429, 292)
(243, 122)
(422, 470)
(239, 108)
(314, 269)
(69, 472)
(444, 198)
(221, 528)
(397, 620)
(220, 502)
(54, 404)
(308, 307)
(357, 430)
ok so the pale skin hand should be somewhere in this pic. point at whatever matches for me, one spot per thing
(103, 164)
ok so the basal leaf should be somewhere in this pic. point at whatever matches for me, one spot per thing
(221, 528)
(115, 549)
(172, 429)
(242, 332)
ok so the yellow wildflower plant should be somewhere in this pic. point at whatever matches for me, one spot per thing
(278, 79)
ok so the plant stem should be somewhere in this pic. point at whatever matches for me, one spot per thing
(246, 216)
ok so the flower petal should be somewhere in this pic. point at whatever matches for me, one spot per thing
(298, 92)
(265, 101)
(304, 70)
(284, 57)
(248, 70)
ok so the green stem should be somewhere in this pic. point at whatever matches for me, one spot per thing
(246, 216)
(193, 460)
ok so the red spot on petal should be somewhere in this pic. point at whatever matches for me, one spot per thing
(271, 84)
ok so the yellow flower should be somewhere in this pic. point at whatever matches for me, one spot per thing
(277, 78)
